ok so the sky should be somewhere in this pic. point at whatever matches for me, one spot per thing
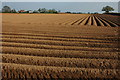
(83, 7)
(59, 0)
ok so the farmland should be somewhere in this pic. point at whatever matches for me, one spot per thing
(42, 46)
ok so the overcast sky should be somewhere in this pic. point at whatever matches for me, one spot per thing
(63, 6)
(59, 0)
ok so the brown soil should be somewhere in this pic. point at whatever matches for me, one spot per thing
(43, 46)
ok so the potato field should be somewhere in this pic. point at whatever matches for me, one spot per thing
(60, 46)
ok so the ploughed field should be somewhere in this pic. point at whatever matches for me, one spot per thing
(42, 46)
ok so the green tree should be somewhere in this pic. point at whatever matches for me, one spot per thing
(6, 9)
(107, 9)
(68, 12)
(39, 10)
(52, 11)
(13, 11)
(43, 10)
(35, 11)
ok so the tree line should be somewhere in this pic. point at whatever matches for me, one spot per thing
(7, 9)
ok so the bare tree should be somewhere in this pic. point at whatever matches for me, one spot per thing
(6, 9)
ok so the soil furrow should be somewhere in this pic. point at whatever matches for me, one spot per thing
(13, 44)
(104, 22)
(59, 36)
(111, 23)
(76, 21)
(59, 53)
(60, 43)
(58, 39)
(99, 23)
(43, 71)
(89, 22)
(60, 62)
(94, 21)
(84, 21)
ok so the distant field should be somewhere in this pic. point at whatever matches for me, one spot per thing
(43, 46)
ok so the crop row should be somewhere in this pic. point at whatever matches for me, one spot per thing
(59, 43)
(61, 36)
(55, 47)
(93, 20)
(112, 18)
(60, 53)
(60, 62)
(57, 39)
(30, 71)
